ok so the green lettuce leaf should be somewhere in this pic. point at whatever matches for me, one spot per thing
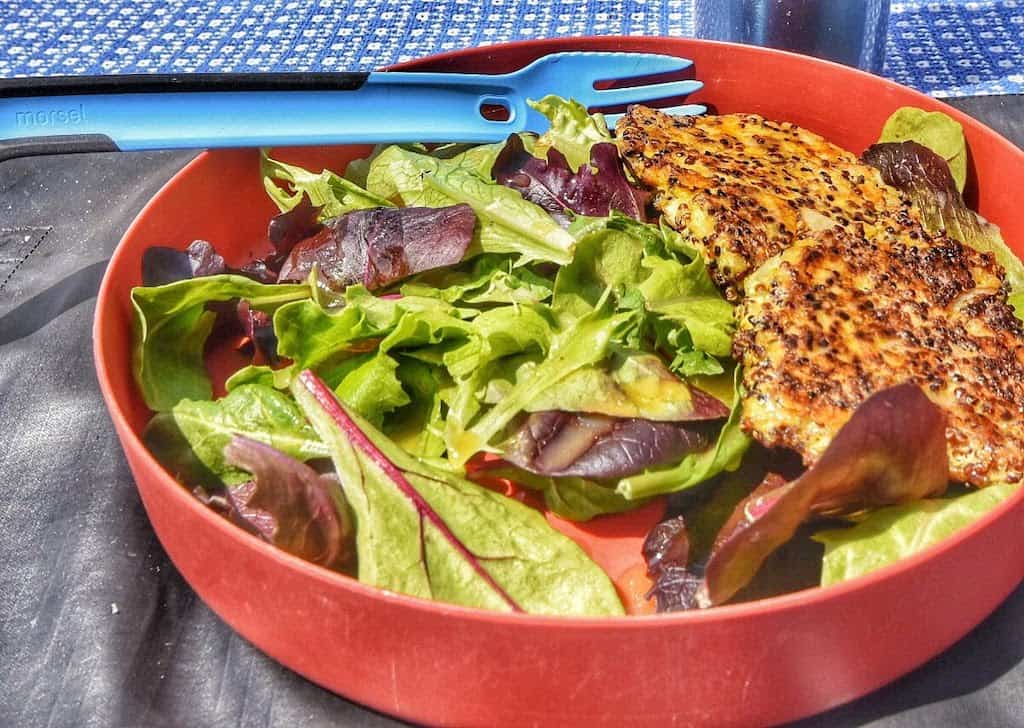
(189, 440)
(172, 325)
(725, 456)
(940, 133)
(887, 535)
(585, 341)
(423, 531)
(573, 131)
(370, 386)
(418, 427)
(333, 194)
(506, 222)
(486, 279)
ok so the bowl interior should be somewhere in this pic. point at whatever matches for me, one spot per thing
(219, 197)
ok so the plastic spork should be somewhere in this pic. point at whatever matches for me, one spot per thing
(196, 111)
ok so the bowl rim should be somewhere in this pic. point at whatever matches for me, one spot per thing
(803, 599)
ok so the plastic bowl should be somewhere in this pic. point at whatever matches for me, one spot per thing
(750, 664)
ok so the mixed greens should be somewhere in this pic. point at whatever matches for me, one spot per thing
(435, 324)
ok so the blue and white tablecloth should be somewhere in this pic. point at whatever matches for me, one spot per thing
(943, 47)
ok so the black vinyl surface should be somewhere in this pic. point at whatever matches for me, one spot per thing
(97, 629)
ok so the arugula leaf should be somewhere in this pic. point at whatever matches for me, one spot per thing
(573, 131)
(935, 130)
(189, 440)
(506, 222)
(172, 325)
(334, 195)
(725, 456)
(426, 532)
(887, 535)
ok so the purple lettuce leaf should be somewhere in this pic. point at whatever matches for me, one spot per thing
(891, 451)
(290, 505)
(379, 246)
(596, 189)
(161, 265)
(289, 228)
(555, 443)
(258, 330)
(667, 553)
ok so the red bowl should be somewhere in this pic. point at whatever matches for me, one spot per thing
(748, 664)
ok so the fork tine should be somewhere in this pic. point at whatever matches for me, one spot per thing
(590, 66)
(640, 94)
(615, 64)
(684, 110)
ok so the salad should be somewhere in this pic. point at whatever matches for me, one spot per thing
(451, 348)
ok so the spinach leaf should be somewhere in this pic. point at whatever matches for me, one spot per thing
(189, 440)
(334, 195)
(426, 532)
(887, 535)
(172, 325)
(506, 222)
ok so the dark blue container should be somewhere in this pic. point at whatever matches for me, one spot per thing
(848, 31)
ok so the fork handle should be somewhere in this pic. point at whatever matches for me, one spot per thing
(243, 110)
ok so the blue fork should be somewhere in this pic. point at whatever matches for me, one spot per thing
(199, 111)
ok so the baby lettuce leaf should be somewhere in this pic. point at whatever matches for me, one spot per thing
(562, 444)
(597, 189)
(487, 278)
(334, 195)
(294, 226)
(418, 427)
(290, 505)
(189, 440)
(574, 499)
(313, 336)
(630, 384)
(582, 343)
(428, 533)
(887, 535)
(926, 178)
(378, 247)
(172, 325)
(573, 131)
(724, 456)
(369, 386)
(506, 222)
(891, 451)
(935, 130)
(161, 266)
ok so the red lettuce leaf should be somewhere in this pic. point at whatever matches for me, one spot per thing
(258, 330)
(596, 189)
(294, 226)
(290, 505)
(161, 265)
(379, 246)
(891, 451)
(592, 446)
